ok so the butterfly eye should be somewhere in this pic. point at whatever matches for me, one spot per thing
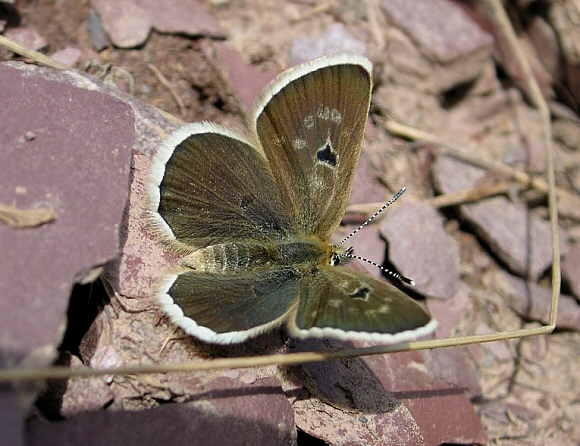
(335, 259)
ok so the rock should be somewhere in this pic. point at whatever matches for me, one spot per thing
(389, 399)
(444, 46)
(67, 56)
(26, 37)
(189, 17)
(253, 414)
(448, 311)
(514, 234)
(532, 301)
(336, 40)
(564, 16)
(420, 248)
(127, 24)
(96, 31)
(57, 153)
(245, 80)
(570, 270)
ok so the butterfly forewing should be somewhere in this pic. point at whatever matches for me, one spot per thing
(215, 188)
(310, 123)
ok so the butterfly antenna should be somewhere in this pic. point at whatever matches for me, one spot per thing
(348, 254)
(372, 217)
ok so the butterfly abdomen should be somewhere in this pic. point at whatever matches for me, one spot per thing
(231, 257)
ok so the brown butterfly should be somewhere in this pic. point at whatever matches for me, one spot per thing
(253, 217)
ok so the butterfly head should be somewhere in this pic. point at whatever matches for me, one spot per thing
(339, 256)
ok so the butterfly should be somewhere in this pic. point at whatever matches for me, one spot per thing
(252, 217)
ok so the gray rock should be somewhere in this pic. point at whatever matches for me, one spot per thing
(96, 31)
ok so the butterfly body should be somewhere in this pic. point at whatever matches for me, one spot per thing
(299, 255)
(253, 216)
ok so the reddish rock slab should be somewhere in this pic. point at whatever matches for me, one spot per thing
(56, 152)
(97, 33)
(189, 17)
(439, 41)
(451, 366)
(505, 56)
(224, 412)
(11, 416)
(67, 56)
(448, 311)
(383, 400)
(127, 24)
(77, 395)
(521, 239)
(442, 410)
(420, 248)
(336, 40)
(441, 29)
(545, 41)
(532, 301)
(245, 80)
(570, 269)
(26, 37)
(563, 17)
(142, 259)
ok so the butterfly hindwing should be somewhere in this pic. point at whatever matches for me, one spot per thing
(339, 302)
(210, 186)
(228, 308)
(310, 122)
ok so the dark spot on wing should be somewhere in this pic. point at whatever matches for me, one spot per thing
(245, 202)
(326, 155)
(361, 293)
